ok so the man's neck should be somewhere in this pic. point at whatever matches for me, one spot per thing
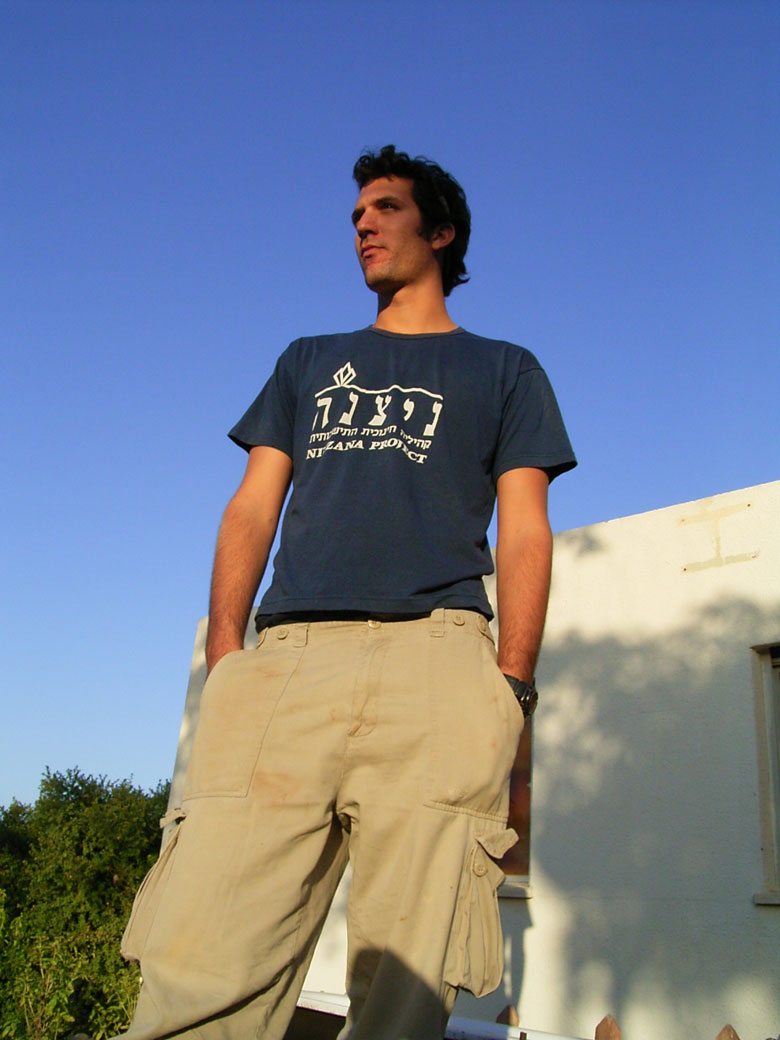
(413, 313)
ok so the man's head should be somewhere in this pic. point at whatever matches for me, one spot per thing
(439, 198)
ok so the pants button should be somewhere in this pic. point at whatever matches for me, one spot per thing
(459, 619)
(281, 633)
(480, 867)
(373, 623)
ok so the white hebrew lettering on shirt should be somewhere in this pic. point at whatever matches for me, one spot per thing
(323, 403)
(346, 417)
(382, 404)
(428, 431)
(387, 426)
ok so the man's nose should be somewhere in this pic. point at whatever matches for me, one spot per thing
(364, 225)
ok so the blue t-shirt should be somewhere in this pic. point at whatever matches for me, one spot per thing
(397, 442)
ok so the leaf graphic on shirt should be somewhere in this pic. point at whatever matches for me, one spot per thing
(345, 375)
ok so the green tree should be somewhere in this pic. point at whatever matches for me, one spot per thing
(69, 868)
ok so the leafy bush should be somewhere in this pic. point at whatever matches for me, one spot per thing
(69, 868)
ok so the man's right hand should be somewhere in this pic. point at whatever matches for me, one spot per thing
(243, 544)
(216, 651)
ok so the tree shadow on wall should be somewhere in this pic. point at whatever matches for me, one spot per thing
(645, 821)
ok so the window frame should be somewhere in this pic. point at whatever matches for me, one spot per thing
(766, 692)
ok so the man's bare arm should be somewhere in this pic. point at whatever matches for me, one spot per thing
(243, 544)
(523, 566)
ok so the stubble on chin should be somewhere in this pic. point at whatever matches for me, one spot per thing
(376, 280)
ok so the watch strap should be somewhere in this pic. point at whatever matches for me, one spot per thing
(526, 694)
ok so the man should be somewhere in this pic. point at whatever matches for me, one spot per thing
(374, 720)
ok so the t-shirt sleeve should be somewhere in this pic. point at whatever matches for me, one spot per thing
(532, 430)
(270, 419)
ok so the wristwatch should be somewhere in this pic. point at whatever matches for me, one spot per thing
(527, 696)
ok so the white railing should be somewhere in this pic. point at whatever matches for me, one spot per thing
(457, 1029)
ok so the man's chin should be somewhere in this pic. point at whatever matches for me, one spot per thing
(379, 284)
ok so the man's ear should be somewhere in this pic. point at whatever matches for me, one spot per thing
(442, 236)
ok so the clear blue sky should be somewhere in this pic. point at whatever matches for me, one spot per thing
(176, 198)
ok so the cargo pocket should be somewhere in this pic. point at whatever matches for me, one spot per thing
(149, 895)
(475, 955)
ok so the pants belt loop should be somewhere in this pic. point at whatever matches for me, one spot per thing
(301, 634)
(437, 622)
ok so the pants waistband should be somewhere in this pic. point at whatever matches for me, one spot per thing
(436, 622)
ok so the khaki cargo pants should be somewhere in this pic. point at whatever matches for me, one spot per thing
(389, 743)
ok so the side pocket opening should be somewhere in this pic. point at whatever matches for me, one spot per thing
(475, 955)
(149, 895)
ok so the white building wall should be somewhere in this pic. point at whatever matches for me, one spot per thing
(646, 845)
(646, 848)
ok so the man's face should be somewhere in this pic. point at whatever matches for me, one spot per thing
(388, 236)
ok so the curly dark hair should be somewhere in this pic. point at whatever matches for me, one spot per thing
(439, 197)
